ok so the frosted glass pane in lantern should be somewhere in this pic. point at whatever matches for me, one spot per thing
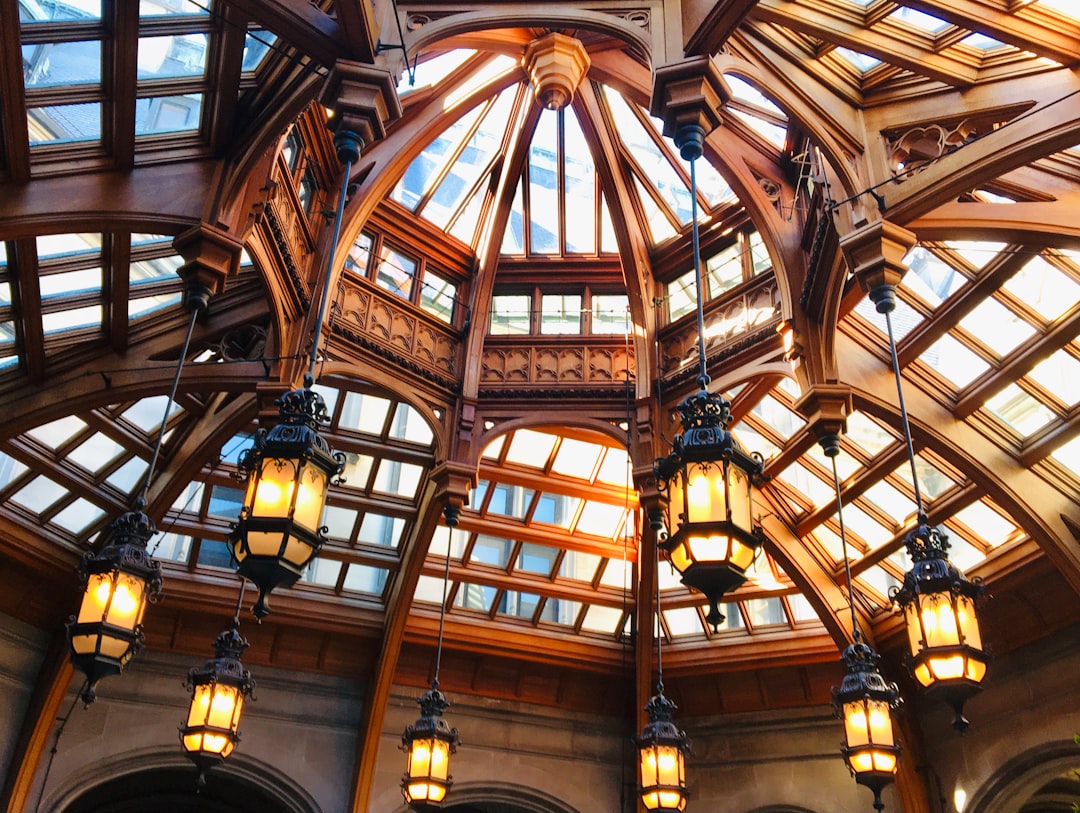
(297, 553)
(274, 490)
(947, 668)
(739, 498)
(705, 494)
(968, 622)
(938, 620)
(261, 543)
(310, 498)
(113, 598)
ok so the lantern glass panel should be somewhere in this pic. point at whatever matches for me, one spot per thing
(662, 777)
(949, 667)
(113, 598)
(968, 622)
(705, 493)
(739, 497)
(310, 498)
(215, 714)
(259, 543)
(680, 557)
(938, 620)
(274, 489)
(867, 722)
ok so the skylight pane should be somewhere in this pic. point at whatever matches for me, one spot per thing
(56, 64)
(1019, 410)
(1060, 374)
(654, 162)
(78, 516)
(561, 611)
(56, 433)
(536, 559)
(615, 469)
(408, 424)
(580, 196)
(556, 509)
(70, 283)
(932, 279)
(397, 478)
(168, 114)
(64, 123)
(322, 571)
(520, 605)
(866, 434)
(861, 62)
(54, 12)
(600, 519)
(432, 71)
(530, 448)
(990, 525)
(683, 621)
(976, 252)
(257, 45)
(175, 56)
(491, 550)
(579, 566)
(932, 481)
(365, 579)
(954, 361)
(544, 185)
(778, 417)
(150, 304)
(147, 413)
(339, 522)
(1043, 287)
(172, 8)
(95, 453)
(996, 326)
(129, 475)
(71, 319)
(576, 458)
(510, 500)
(482, 146)
(384, 531)
(364, 413)
(39, 494)
(918, 19)
(601, 619)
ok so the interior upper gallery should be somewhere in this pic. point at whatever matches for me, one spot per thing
(680, 400)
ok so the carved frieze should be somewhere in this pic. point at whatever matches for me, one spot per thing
(554, 362)
(380, 319)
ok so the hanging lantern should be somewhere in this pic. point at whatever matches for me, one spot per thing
(117, 583)
(287, 471)
(865, 703)
(428, 744)
(218, 691)
(708, 479)
(662, 748)
(938, 602)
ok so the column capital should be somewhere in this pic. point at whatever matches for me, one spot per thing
(826, 408)
(210, 255)
(688, 95)
(364, 99)
(875, 253)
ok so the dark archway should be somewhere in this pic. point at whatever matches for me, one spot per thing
(168, 785)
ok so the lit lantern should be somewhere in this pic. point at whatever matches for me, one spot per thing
(662, 748)
(865, 703)
(428, 744)
(117, 584)
(938, 602)
(708, 479)
(218, 691)
(287, 472)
